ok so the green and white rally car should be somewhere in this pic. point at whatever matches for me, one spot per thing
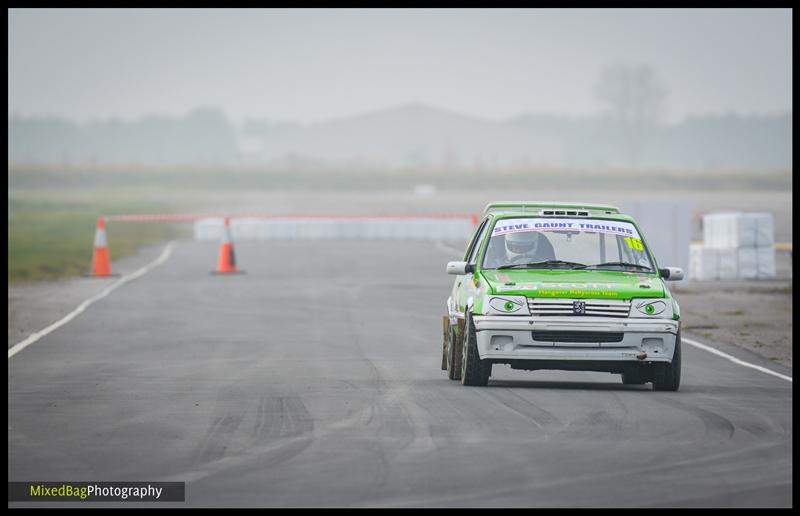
(561, 286)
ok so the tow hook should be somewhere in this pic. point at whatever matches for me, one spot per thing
(641, 356)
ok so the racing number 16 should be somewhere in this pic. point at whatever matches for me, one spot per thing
(634, 243)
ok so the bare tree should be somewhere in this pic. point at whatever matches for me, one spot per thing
(634, 96)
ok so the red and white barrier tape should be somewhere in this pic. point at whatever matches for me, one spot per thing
(175, 217)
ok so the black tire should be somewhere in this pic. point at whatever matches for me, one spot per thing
(633, 376)
(445, 336)
(474, 371)
(453, 355)
(667, 377)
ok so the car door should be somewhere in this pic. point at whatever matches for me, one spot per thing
(465, 284)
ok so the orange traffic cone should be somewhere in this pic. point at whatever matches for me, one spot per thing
(101, 261)
(226, 263)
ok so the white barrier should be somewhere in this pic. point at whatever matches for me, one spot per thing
(727, 230)
(241, 229)
(389, 228)
(708, 263)
(735, 246)
(757, 262)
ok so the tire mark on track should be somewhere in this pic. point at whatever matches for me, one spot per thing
(757, 423)
(523, 406)
(630, 425)
(282, 429)
(476, 495)
(602, 424)
(395, 429)
(215, 442)
(596, 425)
(279, 417)
(715, 424)
(228, 416)
(447, 421)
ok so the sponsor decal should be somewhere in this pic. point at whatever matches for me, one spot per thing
(614, 227)
(519, 286)
(575, 293)
(564, 289)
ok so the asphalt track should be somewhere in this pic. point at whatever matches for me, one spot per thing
(314, 380)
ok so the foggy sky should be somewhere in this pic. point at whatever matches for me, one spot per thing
(311, 65)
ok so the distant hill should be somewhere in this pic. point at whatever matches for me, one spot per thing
(204, 135)
(411, 136)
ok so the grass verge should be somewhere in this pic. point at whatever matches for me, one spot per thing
(51, 239)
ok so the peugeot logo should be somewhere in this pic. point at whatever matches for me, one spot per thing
(579, 307)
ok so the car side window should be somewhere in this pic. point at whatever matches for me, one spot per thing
(475, 240)
(473, 255)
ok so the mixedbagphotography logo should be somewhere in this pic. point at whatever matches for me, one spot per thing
(96, 491)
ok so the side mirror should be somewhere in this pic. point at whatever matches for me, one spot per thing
(459, 268)
(671, 273)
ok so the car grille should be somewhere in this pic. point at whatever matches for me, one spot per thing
(566, 307)
(576, 336)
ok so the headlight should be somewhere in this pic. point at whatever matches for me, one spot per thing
(660, 308)
(507, 305)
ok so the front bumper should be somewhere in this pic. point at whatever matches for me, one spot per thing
(511, 338)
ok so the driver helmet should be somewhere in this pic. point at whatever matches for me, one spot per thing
(521, 243)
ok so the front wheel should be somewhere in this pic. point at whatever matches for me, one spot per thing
(474, 371)
(667, 377)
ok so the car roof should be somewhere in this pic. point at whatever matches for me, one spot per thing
(540, 206)
(521, 214)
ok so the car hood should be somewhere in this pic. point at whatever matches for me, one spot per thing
(602, 284)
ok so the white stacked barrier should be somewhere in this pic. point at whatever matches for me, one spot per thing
(757, 262)
(299, 228)
(738, 230)
(708, 263)
(735, 246)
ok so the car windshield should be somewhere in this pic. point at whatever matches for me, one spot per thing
(553, 243)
